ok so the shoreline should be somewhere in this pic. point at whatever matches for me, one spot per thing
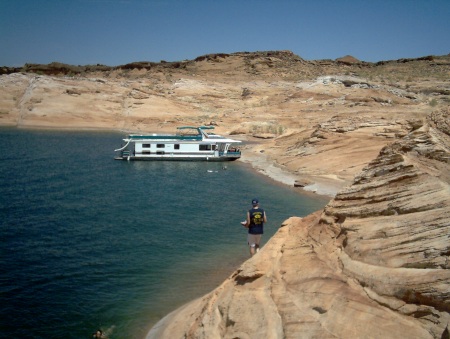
(257, 162)
(326, 186)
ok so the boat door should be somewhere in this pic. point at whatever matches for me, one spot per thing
(223, 148)
(216, 150)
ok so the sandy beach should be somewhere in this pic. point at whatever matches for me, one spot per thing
(326, 185)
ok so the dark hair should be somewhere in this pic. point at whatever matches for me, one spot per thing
(95, 333)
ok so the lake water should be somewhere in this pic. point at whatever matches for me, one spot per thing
(89, 242)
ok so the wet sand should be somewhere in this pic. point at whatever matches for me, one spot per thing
(321, 185)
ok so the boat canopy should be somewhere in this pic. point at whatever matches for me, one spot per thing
(199, 136)
(199, 129)
(194, 127)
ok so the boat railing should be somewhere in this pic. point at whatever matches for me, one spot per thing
(196, 137)
(231, 153)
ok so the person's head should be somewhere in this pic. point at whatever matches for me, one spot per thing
(255, 202)
(98, 334)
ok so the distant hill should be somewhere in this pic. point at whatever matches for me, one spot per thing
(254, 63)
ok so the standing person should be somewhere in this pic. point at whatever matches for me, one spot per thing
(256, 217)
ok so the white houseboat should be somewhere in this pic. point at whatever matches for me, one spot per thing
(190, 143)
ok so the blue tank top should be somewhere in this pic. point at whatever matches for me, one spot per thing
(256, 221)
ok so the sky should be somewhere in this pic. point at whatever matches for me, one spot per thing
(117, 32)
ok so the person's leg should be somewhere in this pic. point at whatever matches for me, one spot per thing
(253, 243)
(257, 241)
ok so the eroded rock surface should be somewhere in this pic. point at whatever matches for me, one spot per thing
(373, 264)
(321, 121)
(375, 136)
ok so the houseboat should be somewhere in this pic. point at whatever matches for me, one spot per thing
(189, 143)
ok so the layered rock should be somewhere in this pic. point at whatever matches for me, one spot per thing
(373, 264)
(322, 120)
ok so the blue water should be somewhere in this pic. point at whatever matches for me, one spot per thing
(89, 242)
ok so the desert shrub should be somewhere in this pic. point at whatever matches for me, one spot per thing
(433, 102)
(266, 127)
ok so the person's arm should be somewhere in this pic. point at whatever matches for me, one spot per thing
(265, 218)
(248, 219)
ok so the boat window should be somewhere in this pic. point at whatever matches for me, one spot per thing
(145, 152)
(204, 147)
(145, 145)
(160, 145)
(176, 146)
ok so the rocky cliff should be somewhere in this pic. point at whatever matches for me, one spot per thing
(373, 264)
(374, 136)
(321, 121)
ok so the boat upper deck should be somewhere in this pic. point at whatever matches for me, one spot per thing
(197, 137)
(186, 133)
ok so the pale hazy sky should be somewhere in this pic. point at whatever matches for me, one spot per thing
(115, 32)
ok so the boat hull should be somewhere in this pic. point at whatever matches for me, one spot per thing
(177, 158)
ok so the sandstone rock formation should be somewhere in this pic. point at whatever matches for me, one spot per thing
(375, 136)
(319, 121)
(373, 264)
